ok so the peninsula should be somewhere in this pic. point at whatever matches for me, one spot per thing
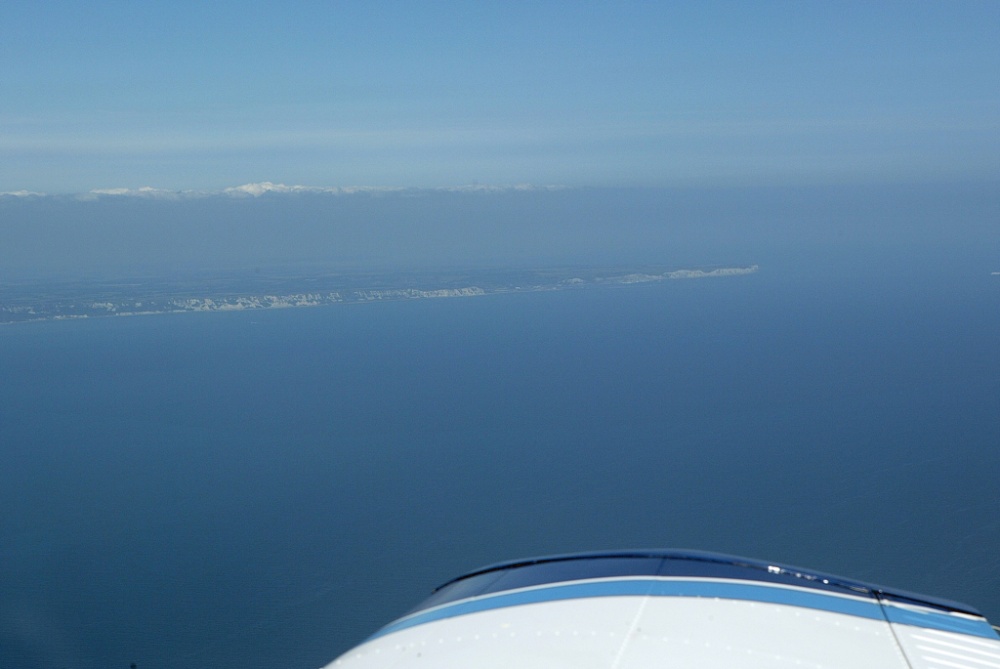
(37, 301)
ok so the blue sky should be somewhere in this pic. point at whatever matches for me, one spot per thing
(195, 95)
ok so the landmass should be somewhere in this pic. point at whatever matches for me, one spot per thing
(43, 301)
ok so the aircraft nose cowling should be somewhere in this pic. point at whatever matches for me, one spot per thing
(645, 608)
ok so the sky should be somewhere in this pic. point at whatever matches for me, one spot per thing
(195, 95)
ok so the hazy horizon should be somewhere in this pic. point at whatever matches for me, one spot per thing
(143, 234)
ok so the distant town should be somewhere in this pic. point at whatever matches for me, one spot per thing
(31, 302)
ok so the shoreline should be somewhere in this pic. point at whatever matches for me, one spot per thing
(153, 298)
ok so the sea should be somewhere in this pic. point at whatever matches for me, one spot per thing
(264, 489)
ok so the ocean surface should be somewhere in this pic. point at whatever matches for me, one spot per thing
(264, 489)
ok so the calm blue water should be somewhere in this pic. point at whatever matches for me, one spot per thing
(265, 489)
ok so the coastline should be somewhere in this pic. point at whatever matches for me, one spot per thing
(40, 302)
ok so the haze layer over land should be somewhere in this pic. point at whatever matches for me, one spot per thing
(156, 234)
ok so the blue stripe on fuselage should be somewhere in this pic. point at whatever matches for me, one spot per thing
(860, 607)
(640, 587)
